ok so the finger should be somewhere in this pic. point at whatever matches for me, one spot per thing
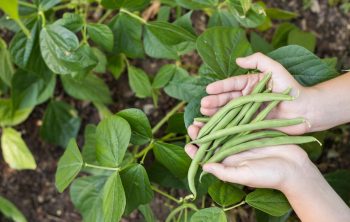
(219, 100)
(198, 124)
(259, 61)
(236, 83)
(230, 174)
(193, 131)
(208, 112)
(191, 150)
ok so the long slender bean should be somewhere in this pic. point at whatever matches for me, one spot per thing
(192, 171)
(261, 97)
(202, 119)
(253, 136)
(282, 140)
(265, 124)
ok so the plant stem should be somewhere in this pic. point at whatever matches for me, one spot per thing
(144, 152)
(42, 15)
(168, 115)
(60, 7)
(23, 28)
(101, 167)
(105, 16)
(26, 4)
(134, 16)
(235, 206)
(168, 136)
(155, 189)
(175, 138)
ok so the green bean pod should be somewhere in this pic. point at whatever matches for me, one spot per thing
(261, 97)
(253, 136)
(202, 119)
(265, 124)
(282, 140)
(192, 171)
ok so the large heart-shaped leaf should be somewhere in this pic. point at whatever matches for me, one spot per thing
(212, 214)
(15, 151)
(90, 88)
(62, 53)
(9, 210)
(112, 139)
(137, 187)
(305, 66)
(114, 200)
(141, 132)
(60, 123)
(127, 35)
(172, 157)
(220, 46)
(68, 166)
(225, 194)
(269, 201)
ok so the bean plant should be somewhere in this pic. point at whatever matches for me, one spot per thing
(124, 161)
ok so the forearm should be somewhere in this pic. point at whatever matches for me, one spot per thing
(329, 103)
(313, 199)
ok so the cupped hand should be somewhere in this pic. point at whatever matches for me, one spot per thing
(221, 92)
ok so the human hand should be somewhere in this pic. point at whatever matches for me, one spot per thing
(221, 92)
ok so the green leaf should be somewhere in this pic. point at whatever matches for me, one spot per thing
(89, 148)
(225, 194)
(259, 44)
(212, 214)
(264, 217)
(269, 201)
(6, 68)
(62, 53)
(134, 5)
(48, 4)
(141, 131)
(72, 21)
(306, 67)
(314, 150)
(276, 13)
(170, 34)
(304, 39)
(147, 213)
(90, 88)
(192, 109)
(9, 210)
(176, 124)
(138, 189)
(87, 194)
(10, 8)
(116, 65)
(280, 37)
(102, 61)
(15, 151)
(102, 35)
(220, 46)
(197, 4)
(185, 87)
(30, 90)
(68, 166)
(114, 200)
(185, 21)
(60, 123)
(164, 75)
(164, 13)
(139, 82)
(156, 49)
(112, 140)
(10, 116)
(253, 18)
(222, 17)
(340, 182)
(173, 157)
(127, 35)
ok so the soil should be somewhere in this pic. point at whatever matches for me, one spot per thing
(34, 192)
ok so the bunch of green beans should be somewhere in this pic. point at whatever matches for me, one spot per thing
(239, 126)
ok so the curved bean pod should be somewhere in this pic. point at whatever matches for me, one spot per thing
(265, 124)
(282, 140)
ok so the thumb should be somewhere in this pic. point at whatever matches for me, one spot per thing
(230, 174)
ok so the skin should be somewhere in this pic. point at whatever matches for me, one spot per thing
(286, 168)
